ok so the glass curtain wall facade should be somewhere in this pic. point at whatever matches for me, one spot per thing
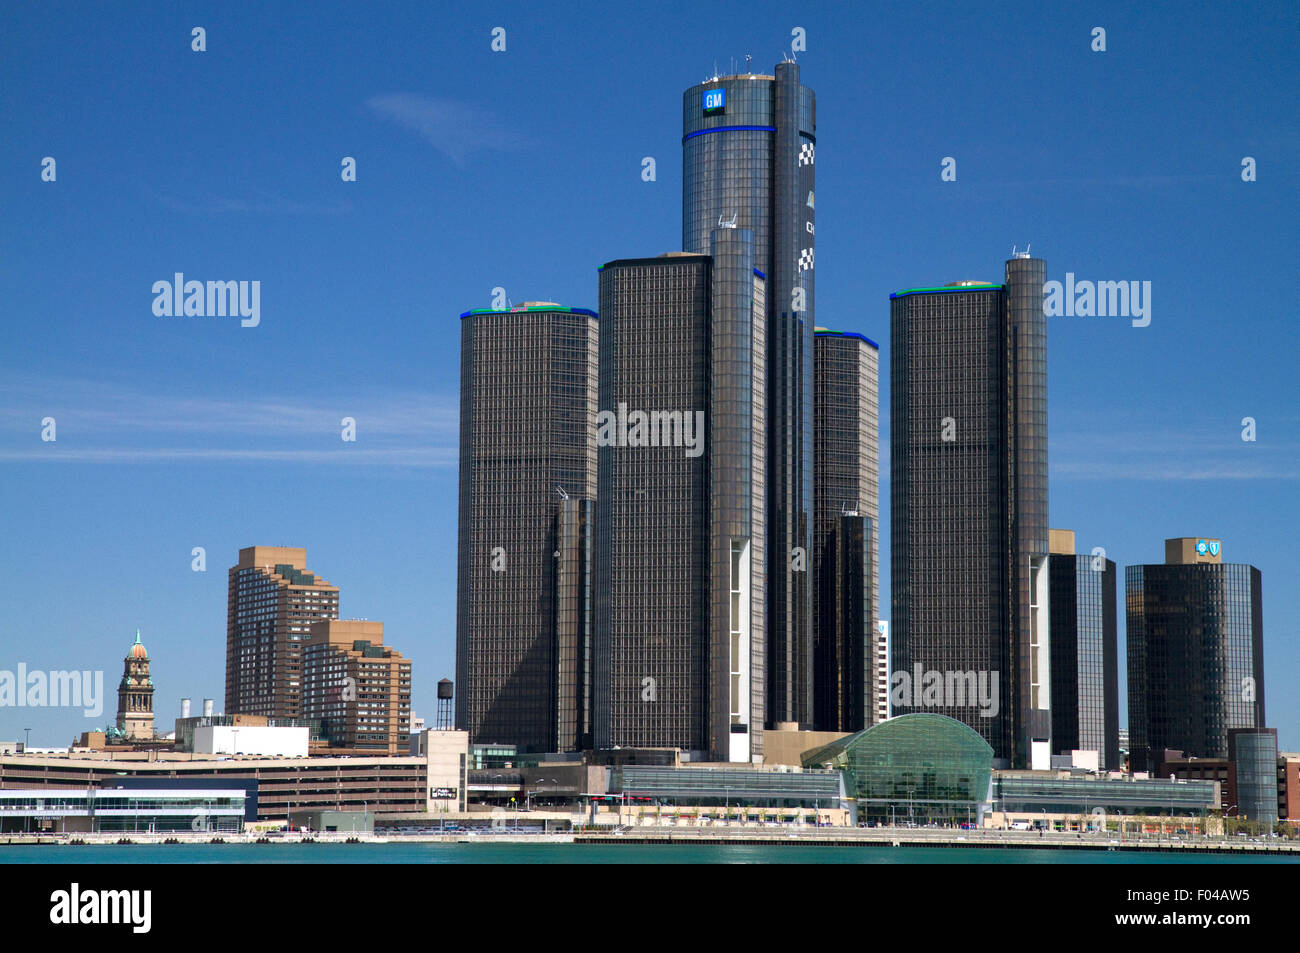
(968, 497)
(913, 767)
(652, 509)
(679, 538)
(749, 153)
(737, 494)
(1085, 660)
(845, 546)
(1026, 362)
(1253, 753)
(573, 612)
(1195, 657)
(527, 442)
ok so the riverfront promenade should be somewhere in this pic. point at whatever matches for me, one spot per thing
(805, 836)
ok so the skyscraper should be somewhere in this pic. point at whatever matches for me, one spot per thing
(1085, 656)
(1195, 652)
(845, 551)
(272, 601)
(527, 460)
(679, 506)
(749, 151)
(968, 497)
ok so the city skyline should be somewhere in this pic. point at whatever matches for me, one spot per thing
(176, 433)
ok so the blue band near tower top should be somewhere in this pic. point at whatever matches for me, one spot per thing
(701, 132)
(558, 309)
(846, 334)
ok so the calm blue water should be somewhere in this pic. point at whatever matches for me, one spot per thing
(588, 854)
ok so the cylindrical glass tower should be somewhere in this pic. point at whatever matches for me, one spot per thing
(749, 153)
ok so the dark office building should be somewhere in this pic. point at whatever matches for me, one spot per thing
(968, 497)
(527, 476)
(749, 151)
(846, 440)
(679, 505)
(1195, 652)
(1085, 655)
(272, 601)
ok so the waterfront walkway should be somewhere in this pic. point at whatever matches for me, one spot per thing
(806, 836)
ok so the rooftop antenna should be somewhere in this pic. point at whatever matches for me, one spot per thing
(747, 69)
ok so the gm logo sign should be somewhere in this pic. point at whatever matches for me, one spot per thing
(714, 100)
(1207, 546)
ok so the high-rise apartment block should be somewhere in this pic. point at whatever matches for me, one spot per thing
(1195, 652)
(357, 687)
(968, 488)
(273, 599)
(527, 476)
(845, 555)
(1085, 654)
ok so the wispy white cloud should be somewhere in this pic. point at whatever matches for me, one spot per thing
(454, 129)
(110, 423)
(347, 455)
(1170, 470)
(1192, 451)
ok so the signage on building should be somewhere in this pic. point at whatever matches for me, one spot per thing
(715, 100)
(1207, 547)
(442, 794)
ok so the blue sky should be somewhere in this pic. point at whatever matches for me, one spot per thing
(522, 169)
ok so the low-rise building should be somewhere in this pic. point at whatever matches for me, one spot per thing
(1079, 800)
(104, 809)
(920, 767)
(380, 784)
(263, 740)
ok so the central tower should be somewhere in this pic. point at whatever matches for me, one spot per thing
(748, 161)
